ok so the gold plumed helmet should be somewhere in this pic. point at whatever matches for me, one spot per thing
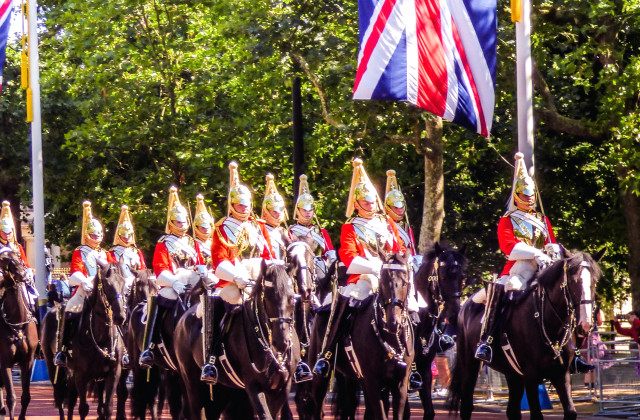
(305, 199)
(124, 228)
(6, 219)
(522, 182)
(176, 213)
(202, 219)
(273, 201)
(238, 193)
(393, 196)
(90, 226)
(361, 189)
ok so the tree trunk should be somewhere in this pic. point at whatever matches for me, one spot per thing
(433, 210)
(632, 214)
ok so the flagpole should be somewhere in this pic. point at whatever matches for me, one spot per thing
(36, 149)
(524, 72)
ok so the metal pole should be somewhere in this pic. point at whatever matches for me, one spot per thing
(524, 72)
(298, 140)
(36, 150)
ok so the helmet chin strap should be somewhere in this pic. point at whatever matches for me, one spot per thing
(362, 212)
(175, 230)
(240, 216)
(303, 220)
(92, 244)
(393, 215)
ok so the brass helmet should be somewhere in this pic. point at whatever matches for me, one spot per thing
(362, 189)
(202, 221)
(125, 235)
(304, 201)
(176, 213)
(393, 197)
(273, 201)
(91, 227)
(522, 183)
(238, 194)
(6, 220)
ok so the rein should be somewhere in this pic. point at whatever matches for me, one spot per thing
(16, 327)
(110, 352)
(306, 302)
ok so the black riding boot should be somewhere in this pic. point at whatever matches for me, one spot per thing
(495, 292)
(415, 380)
(147, 357)
(323, 365)
(210, 332)
(66, 332)
(578, 365)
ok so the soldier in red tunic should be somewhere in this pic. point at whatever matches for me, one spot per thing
(274, 214)
(129, 256)
(174, 264)
(307, 224)
(362, 236)
(84, 268)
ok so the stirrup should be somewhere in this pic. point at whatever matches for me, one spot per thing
(302, 373)
(125, 362)
(146, 359)
(445, 342)
(60, 359)
(322, 367)
(580, 366)
(415, 381)
(484, 352)
(209, 374)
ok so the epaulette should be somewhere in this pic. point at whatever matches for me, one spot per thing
(221, 221)
(349, 220)
(508, 213)
(162, 238)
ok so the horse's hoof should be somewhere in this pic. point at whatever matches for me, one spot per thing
(3, 411)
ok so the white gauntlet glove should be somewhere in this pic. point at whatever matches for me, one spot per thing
(543, 261)
(513, 283)
(178, 286)
(87, 284)
(331, 256)
(241, 282)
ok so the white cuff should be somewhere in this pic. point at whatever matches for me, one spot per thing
(523, 251)
(77, 278)
(226, 270)
(166, 279)
(361, 265)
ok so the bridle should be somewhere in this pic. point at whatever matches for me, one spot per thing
(16, 327)
(110, 352)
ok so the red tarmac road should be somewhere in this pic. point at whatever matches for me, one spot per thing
(42, 408)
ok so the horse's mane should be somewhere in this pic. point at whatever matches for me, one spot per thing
(446, 254)
(277, 273)
(574, 260)
(104, 272)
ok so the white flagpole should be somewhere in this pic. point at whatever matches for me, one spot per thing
(36, 150)
(524, 71)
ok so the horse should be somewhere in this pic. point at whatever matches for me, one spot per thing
(538, 329)
(143, 391)
(377, 347)
(439, 281)
(18, 330)
(96, 347)
(258, 353)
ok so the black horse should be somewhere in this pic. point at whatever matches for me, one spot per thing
(146, 385)
(377, 347)
(539, 328)
(259, 352)
(18, 330)
(439, 281)
(97, 346)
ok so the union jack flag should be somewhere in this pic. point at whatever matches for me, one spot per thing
(6, 6)
(439, 55)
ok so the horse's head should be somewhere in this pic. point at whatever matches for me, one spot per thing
(143, 286)
(300, 256)
(110, 289)
(274, 292)
(440, 280)
(12, 270)
(576, 277)
(394, 289)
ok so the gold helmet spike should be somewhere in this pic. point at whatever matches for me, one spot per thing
(238, 193)
(124, 228)
(305, 199)
(522, 182)
(361, 188)
(202, 219)
(273, 201)
(176, 212)
(6, 219)
(393, 196)
(90, 226)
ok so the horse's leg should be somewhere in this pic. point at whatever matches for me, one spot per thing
(319, 391)
(25, 377)
(423, 366)
(8, 386)
(535, 412)
(72, 392)
(123, 395)
(258, 401)
(399, 395)
(372, 399)
(516, 390)
(110, 384)
(81, 386)
(173, 394)
(562, 385)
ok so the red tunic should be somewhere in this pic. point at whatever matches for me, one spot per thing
(162, 259)
(221, 252)
(508, 239)
(77, 263)
(143, 264)
(351, 247)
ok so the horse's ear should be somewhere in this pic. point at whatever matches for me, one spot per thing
(438, 248)
(463, 249)
(599, 254)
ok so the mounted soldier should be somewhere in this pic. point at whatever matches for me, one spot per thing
(274, 214)
(174, 262)
(8, 240)
(362, 239)
(307, 224)
(129, 256)
(84, 267)
(526, 237)
(203, 231)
